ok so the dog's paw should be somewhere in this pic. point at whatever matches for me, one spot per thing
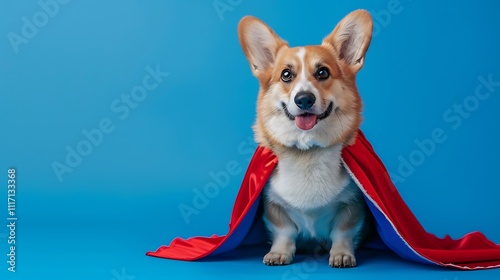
(342, 259)
(273, 258)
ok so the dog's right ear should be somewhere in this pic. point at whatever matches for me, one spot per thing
(259, 42)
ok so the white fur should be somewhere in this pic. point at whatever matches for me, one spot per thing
(286, 132)
(310, 187)
(310, 180)
(303, 84)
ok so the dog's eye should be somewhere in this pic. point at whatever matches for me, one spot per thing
(286, 75)
(322, 73)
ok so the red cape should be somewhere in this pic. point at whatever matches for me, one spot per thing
(396, 225)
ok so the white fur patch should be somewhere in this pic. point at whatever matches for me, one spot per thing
(310, 187)
(310, 180)
(302, 84)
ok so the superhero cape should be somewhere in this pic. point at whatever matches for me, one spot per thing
(396, 225)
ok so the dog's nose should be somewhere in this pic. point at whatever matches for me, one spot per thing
(304, 100)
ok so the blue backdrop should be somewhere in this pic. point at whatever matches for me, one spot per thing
(129, 123)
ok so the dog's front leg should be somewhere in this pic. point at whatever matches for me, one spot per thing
(283, 232)
(346, 228)
(282, 250)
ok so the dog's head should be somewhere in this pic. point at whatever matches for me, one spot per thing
(308, 95)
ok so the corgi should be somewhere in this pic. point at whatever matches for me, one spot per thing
(308, 109)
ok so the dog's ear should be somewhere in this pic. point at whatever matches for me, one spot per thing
(351, 38)
(259, 42)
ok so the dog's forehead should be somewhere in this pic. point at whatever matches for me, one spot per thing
(306, 56)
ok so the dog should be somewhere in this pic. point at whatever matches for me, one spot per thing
(308, 109)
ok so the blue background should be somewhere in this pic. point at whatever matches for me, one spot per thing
(123, 198)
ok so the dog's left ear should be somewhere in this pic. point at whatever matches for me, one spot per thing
(351, 38)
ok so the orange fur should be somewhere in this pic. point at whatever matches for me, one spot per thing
(341, 86)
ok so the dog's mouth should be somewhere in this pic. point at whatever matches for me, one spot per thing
(307, 121)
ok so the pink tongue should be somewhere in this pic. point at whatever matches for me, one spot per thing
(305, 122)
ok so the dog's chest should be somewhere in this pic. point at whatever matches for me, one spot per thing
(309, 180)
